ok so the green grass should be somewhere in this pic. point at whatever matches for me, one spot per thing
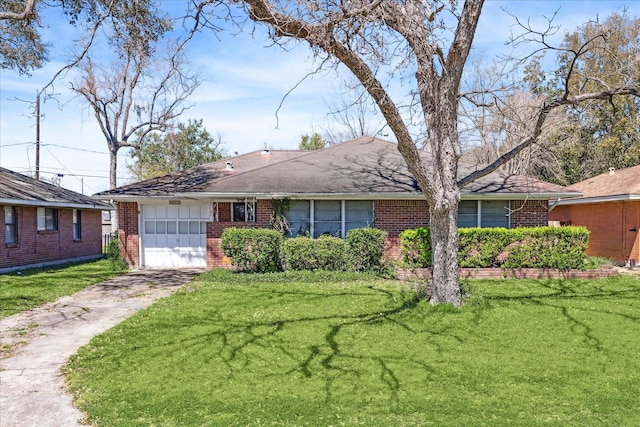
(330, 350)
(32, 288)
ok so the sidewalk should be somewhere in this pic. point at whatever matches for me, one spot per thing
(32, 389)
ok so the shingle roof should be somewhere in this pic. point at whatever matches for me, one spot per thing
(614, 183)
(361, 167)
(18, 189)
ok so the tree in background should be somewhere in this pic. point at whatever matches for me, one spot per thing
(21, 47)
(145, 86)
(313, 142)
(601, 133)
(188, 146)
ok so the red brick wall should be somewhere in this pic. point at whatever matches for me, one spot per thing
(128, 232)
(610, 226)
(529, 213)
(36, 247)
(395, 216)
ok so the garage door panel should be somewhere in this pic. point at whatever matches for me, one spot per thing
(175, 236)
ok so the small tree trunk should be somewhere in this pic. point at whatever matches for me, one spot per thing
(444, 243)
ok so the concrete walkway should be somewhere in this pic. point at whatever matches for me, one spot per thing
(40, 341)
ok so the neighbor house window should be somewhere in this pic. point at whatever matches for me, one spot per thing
(328, 217)
(47, 219)
(244, 211)
(76, 225)
(10, 229)
(483, 213)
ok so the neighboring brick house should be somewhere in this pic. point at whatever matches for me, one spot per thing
(42, 224)
(610, 209)
(177, 220)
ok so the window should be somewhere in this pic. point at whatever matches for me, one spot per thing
(10, 229)
(299, 218)
(47, 219)
(357, 214)
(495, 213)
(333, 217)
(244, 211)
(485, 213)
(76, 225)
(327, 218)
(468, 213)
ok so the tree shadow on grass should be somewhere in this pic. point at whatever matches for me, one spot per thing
(565, 296)
(237, 344)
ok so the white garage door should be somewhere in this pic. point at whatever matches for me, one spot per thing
(174, 235)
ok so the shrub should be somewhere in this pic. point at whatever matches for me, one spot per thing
(305, 253)
(548, 247)
(365, 248)
(116, 263)
(252, 249)
(480, 247)
(532, 247)
(415, 247)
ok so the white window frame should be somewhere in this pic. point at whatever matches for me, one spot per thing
(77, 224)
(249, 208)
(343, 215)
(42, 219)
(11, 228)
(479, 214)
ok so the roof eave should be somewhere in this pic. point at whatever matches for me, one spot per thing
(49, 204)
(599, 199)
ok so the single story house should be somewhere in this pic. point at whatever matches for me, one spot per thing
(43, 224)
(178, 219)
(610, 209)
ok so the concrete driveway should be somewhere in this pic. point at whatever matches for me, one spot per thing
(40, 341)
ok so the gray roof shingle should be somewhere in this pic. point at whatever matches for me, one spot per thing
(18, 189)
(363, 167)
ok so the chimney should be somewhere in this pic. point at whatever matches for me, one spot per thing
(612, 171)
(265, 151)
(229, 166)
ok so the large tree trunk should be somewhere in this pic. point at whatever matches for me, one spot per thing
(444, 242)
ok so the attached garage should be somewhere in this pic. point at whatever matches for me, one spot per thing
(174, 235)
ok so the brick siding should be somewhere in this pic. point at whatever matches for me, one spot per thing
(128, 235)
(529, 213)
(610, 225)
(35, 247)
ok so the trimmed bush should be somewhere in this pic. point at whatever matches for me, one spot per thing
(305, 253)
(548, 247)
(415, 247)
(252, 249)
(366, 246)
(531, 247)
(480, 247)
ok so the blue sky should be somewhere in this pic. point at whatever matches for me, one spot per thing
(245, 82)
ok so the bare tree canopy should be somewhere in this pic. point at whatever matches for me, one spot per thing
(430, 41)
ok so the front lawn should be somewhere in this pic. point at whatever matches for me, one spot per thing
(24, 290)
(329, 350)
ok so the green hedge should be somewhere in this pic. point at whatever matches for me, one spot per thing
(527, 247)
(365, 248)
(252, 250)
(305, 253)
(264, 250)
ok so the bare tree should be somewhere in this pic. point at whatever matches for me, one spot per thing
(354, 114)
(433, 40)
(143, 90)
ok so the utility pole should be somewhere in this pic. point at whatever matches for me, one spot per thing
(38, 136)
